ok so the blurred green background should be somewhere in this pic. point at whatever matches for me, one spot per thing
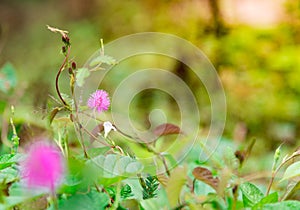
(254, 45)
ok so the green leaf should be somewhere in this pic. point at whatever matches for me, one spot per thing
(126, 191)
(133, 168)
(174, 186)
(67, 99)
(285, 205)
(53, 114)
(272, 198)
(291, 189)
(81, 75)
(113, 167)
(8, 175)
(292, 171)
(5, 160)
(92, 201)
(251, 194)
(150, 187)
(93, 152)
(2, 106)
(230, 159)
(8, 79)
(159, 202)
(106, 59)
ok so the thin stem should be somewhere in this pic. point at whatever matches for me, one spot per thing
(58, 74)
(118, 196)
(279, 167)
(163, 159)
(79, 127)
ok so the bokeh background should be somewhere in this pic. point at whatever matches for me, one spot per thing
(253, 44)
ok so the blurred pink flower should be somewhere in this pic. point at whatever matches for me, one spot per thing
(99, 100)
(44, 166)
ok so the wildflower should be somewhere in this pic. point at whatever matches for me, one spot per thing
(107, 128)
(99, 100)
(43, 167)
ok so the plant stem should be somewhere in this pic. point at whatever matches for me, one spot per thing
(274, 173)
(118, 196)
(58, 74)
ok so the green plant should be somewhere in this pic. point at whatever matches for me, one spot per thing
(112, 177)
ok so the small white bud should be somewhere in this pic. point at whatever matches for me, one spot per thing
(107, 128)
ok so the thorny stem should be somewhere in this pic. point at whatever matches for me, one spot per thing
(295, 154)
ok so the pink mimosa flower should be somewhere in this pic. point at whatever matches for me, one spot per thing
(99, 100)
(43, 167)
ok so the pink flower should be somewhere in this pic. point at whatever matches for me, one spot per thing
(99, 100)
(43, 167)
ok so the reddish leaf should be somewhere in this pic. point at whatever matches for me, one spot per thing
(244, 154)
(53, 113)
(166, 129)
(95, 132)
(205, 175)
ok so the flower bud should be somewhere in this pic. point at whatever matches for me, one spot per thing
(66, 39)
(73, 65)
(64, 49)
(70, 70)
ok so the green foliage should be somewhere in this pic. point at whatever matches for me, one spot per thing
(175, 184)
(292, 171)
(9, 175)
(251, 194)
(81, 75)
(7, 160)
(103, 59)
(150, 185)
(112, 168)
(92, 200)
(126, 191)
(272, 198)
(8, 79)
(285, 205)
(106, 177)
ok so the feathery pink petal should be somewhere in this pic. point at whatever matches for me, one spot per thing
(43, 167)
(99, 100)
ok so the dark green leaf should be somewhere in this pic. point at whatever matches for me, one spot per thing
(150, 186)
(126, 191)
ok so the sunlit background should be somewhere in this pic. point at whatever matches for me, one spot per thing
(253, 44)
